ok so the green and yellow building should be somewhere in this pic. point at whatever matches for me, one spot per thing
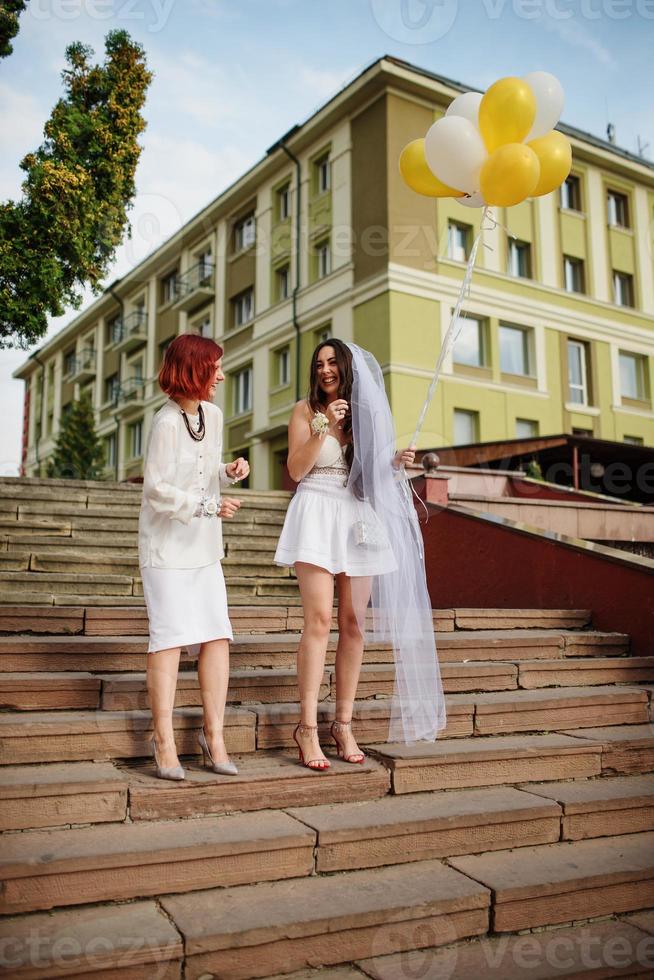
(322, 238)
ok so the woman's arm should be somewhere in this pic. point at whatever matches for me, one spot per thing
(303, 443)
(159, 487)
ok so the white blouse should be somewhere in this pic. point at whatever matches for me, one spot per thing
(178, 472)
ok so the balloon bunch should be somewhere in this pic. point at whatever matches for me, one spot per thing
(494, 149)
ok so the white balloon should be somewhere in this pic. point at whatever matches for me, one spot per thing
(455, 152)
(475, 200)
(549, 102)
(466, 105)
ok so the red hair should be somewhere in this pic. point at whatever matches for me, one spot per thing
(189, 366)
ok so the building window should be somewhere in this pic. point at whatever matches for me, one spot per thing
(633, 368)
(322, 334)
(323, 259)
(136, 370)
(204, 265)
(457, 241)
(323, 174)
(243, 307)
(515, 355)
(578, 357)
(135, 435)
(202, 327)
(466, 427)
(623, 289)
(634, 440)
(526, 428)
(111, 387)
(244, 233)
(520, 259)
(110, 451)
(283, 366)
(284, 202)
(573, 275)
(618, 209)
(243, 391)
(69, 363)
(470, 345)
(169, 287)
(570, 194)
(283, 279)
(114, 330)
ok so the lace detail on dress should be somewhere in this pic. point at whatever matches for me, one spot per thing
(329, 470)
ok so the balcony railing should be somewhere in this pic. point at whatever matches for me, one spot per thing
(129, 395)
(195, 286)
(131, 331)
(85, 366)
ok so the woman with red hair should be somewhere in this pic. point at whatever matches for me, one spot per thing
(180, 547)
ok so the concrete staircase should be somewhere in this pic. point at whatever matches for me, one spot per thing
(533, 813)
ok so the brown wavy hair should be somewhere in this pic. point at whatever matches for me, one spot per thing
(316, 395)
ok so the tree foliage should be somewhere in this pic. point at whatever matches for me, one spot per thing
(10, 11)
(79, 453)
(79, 186)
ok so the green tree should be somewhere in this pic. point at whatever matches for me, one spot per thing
(10, 11)
(79, 453)
(64, 232)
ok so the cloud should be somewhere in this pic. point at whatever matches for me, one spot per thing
(576, 34)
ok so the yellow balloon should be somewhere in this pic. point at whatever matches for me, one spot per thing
(509, 175)
(506, 112)
(555, 156)
(418, 176)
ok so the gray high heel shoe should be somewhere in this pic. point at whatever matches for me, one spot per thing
(166, 772)
(223, 768)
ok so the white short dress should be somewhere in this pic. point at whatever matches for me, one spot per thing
(326, 525)
(179, 554)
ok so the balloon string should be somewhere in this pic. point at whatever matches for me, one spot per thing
(455, 324)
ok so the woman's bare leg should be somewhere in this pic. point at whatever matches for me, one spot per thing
(317, 593)
(213, 677)
(161, 681)
(349, 652)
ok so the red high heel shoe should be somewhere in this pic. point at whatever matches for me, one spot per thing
(357, 758)
(318, 765)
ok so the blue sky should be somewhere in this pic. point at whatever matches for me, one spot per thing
(231, 76)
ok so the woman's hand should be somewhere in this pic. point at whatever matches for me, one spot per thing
(228, 506)
(404, 457)
(336, 412)
(238, 469)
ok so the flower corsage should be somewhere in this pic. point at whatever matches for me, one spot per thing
(319, 423)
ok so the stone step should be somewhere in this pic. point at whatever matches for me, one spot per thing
(547, 709)
(134, 941)
(444, 621)
(32, 530)
(510, 759)
(136, 860)
(124, 692)
(265, 780)
(61, 793)
(573, 671)
(115, 640)
(558, 883)
(41, 690)
(610, 948)
(469, 619)
(625, 750)
(122, 563)
(422, 826)
(67, 736)
(283, 926)
(602, 807)
(14, 585)
(56, 794)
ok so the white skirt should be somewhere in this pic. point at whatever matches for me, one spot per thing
(186, 607)
(327, 526)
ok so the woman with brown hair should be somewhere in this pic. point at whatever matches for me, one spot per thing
(180, 547)
(347, 526)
